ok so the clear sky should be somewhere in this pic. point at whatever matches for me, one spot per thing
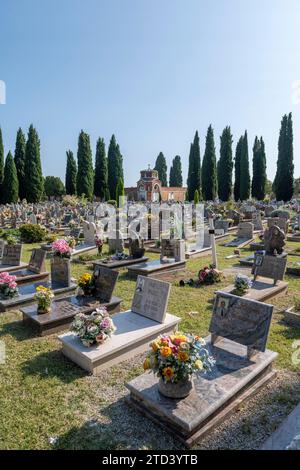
(150, 71)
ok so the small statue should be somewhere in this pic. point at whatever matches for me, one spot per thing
(274, 240)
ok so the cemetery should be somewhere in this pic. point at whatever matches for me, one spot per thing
(149, 230)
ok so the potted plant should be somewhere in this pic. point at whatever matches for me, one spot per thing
(95, 328)
(242, 284)
(8, 286)
(44, 297)
(174, 359)
(86, 284)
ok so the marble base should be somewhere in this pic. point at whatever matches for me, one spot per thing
(292, 317)
(154, 267)
(196, 253)
(284, 435)
(63, 312)
(9, 268)
(80, 249)
(133, 335)
(26, 275)
(216, 395)
(239, 242)
(118, 264)
(262, 289)
(248, 261)
(27, 291)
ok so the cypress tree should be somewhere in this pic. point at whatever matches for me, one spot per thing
(237, 169)
(176, 173)
(196, 197)
(85, 172)
(1, 166)
(20, 155)
(225, 166)
(194, 171)
(209, 168)
(33, 168)
(101, 184)
(259, 179)
(120, 192)
(284, 180)
(114, 166)
(161, 168)
(10, 181)
(245, 183)
(71, 174)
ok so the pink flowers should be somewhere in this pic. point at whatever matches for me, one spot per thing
(61, 248)
(8, 285)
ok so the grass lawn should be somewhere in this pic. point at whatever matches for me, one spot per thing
(46, 401)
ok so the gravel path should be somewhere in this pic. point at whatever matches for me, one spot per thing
(112, 424)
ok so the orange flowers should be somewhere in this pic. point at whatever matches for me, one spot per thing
(183, 356)
(165, 351)
(168, 372)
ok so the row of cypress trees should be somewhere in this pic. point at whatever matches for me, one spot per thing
(216, 178)
(106, 181)
(21, 176)
(175, 176)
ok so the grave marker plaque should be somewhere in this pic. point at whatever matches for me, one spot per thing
(241, 320)
(151, 298)
(37, 261)
(12, 255)
(272, 267)
(105, 280)
(60, 271)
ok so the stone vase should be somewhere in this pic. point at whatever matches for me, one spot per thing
(61, 271)
(177, 390)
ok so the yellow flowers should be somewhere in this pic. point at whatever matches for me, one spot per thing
(155, 346)
(183, 356)
(85, 279)
(165, 351)
(168, 372)
(178, 338)
(147, 364)
(199, 364)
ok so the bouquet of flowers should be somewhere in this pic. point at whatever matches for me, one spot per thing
(43, 296)
(242, 284)
(209, 275)
(86, 283)
(176, 357)
(99, 244)
(94, 328)
(61, 248)
(119, 256)
(8, 286)
(71, 242)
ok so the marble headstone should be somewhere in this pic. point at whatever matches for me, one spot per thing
(12, 254)
(151, 298)
(241, 320)
(60, 271)
(272, 267)
(245, 230)
(105, 280)
(37, 261)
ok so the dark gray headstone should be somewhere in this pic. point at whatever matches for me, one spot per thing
(151, 298)
(272, 267)
(60, 271)
(105, 280)
(242, 320)
(12, 254)
(37, 261)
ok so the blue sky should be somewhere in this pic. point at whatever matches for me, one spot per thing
(150, 71)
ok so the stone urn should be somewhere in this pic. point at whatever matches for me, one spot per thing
(176, 390)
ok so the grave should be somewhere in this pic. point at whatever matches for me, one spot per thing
(64, 310)
(257, 222)
(244, 235)
(89, 232)
(202, 246)
(11, 259)
(135, 329)
(239, 330)
(172, 258)
(36, 268)
(2, 243)
(280, 222)
(136, 255)
(287, 436)
(270, 270)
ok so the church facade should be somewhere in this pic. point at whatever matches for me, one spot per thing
(149, 189)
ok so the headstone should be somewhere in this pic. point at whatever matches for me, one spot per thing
(222, 225)
(2, 243)
(279, 222)
(151, 298)
(89, 232)
(241, 320)
(256, 220)
(173, 249)
(105, 280)
(245, 230)
(136, 248)
(274, 240)
(272, 267)
(37, 261)
(12, 254)
(60, 271)
(33, 219)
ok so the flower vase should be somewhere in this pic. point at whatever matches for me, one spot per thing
(44, 307)
(180, 389)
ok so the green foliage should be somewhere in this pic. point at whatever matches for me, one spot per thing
(176, 173)
(209, 168)
(19, 157)
(32, 233)
(71, 174)
(237, 170)
(120, 193)
(283, 185)
(54, 187)
(161, 168)
(259, 180)
(194, 171)
(196, 197)
(297, 187)
(1, 166)
(101, 174)
(245, 182)
(112, 202)
(85, 173)
(114, 166)
(10, 181)
(225, 166)
(33, 168)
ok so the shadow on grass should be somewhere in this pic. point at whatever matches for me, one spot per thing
(19, 330)
(53, 364)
